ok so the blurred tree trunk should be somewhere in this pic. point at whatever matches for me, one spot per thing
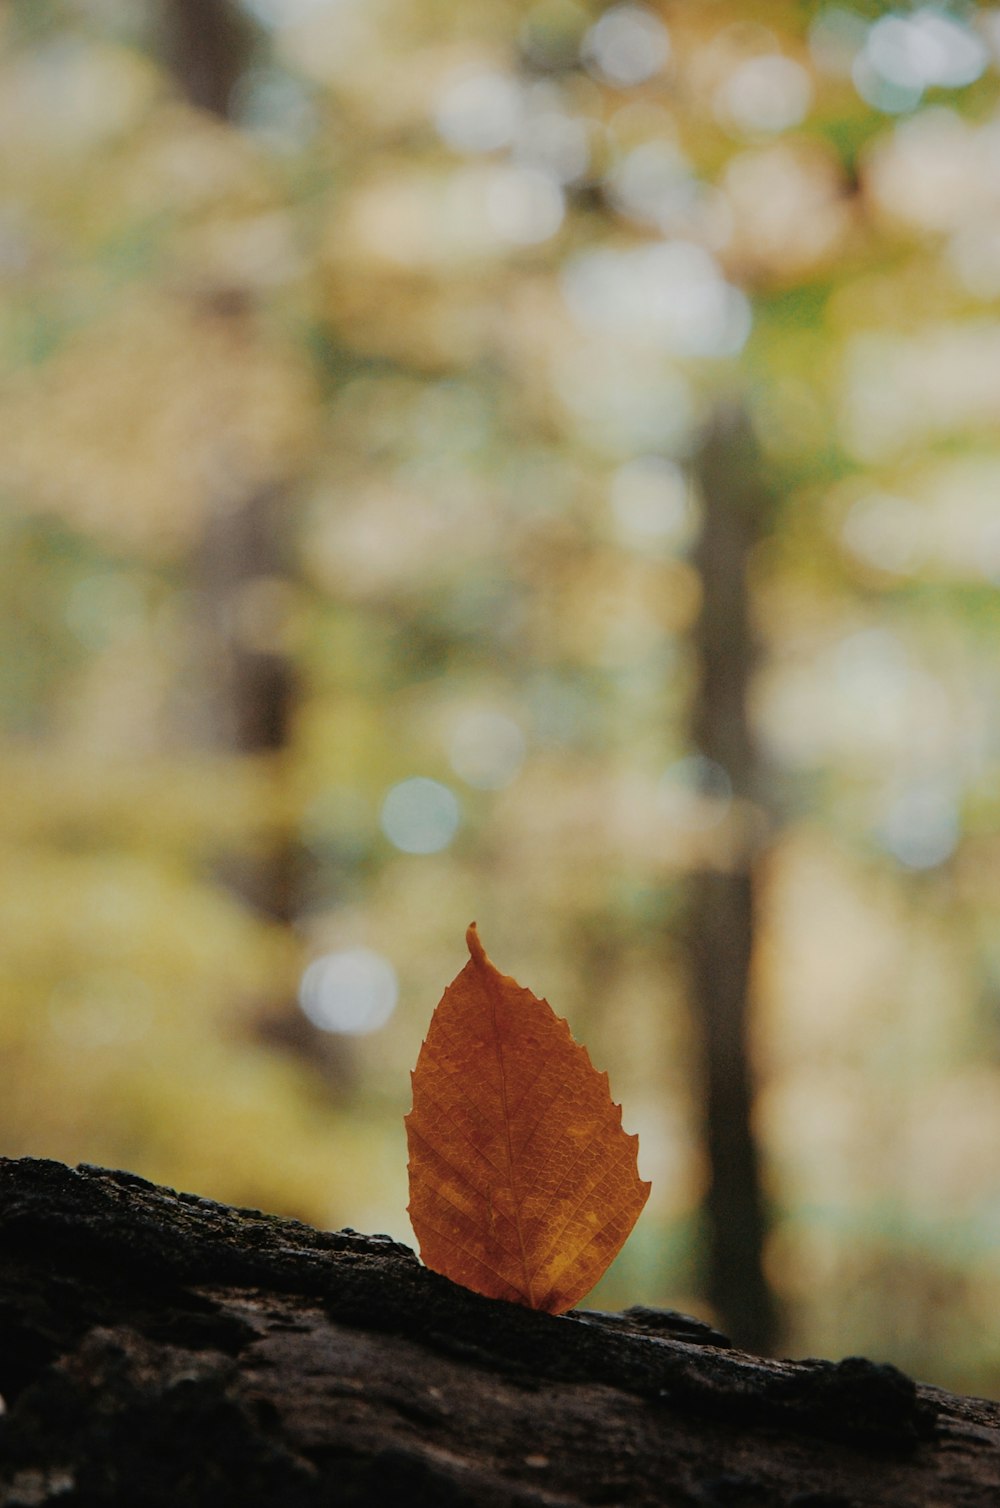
(722, 914)
(206, 44)
(248, 690)
(248, 687)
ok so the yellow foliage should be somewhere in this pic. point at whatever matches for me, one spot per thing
(143, 424)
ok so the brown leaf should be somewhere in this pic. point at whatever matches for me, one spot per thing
(523, 1185)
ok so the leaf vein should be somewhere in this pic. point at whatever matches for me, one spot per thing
(549, 1106)
(456, 1075)
(445, 1112)
(604, 1173)
(526, 1096)
(452, 1167)
(577, 1255)
(472, 1257)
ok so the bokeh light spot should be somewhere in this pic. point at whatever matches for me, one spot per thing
(478, 112)
(651, 501)
(486, 749)
(525, 205)
(671, 295)
(653, 182)
(921, 826)
(353, 991)
(928, 47)
(764, 95)
(905, 54)
(420, 815)
(556, 143)
(628, 45)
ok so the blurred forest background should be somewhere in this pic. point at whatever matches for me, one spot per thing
(534, 462)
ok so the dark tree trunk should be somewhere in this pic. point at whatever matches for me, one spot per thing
(721, 916)
(247, 686)
(160, 1349)
(206, 43)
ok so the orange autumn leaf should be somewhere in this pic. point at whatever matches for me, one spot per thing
(523, 1185)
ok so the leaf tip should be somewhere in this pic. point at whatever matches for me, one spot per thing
(476, 950)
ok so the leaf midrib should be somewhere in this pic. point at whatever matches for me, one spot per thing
(492, 994)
